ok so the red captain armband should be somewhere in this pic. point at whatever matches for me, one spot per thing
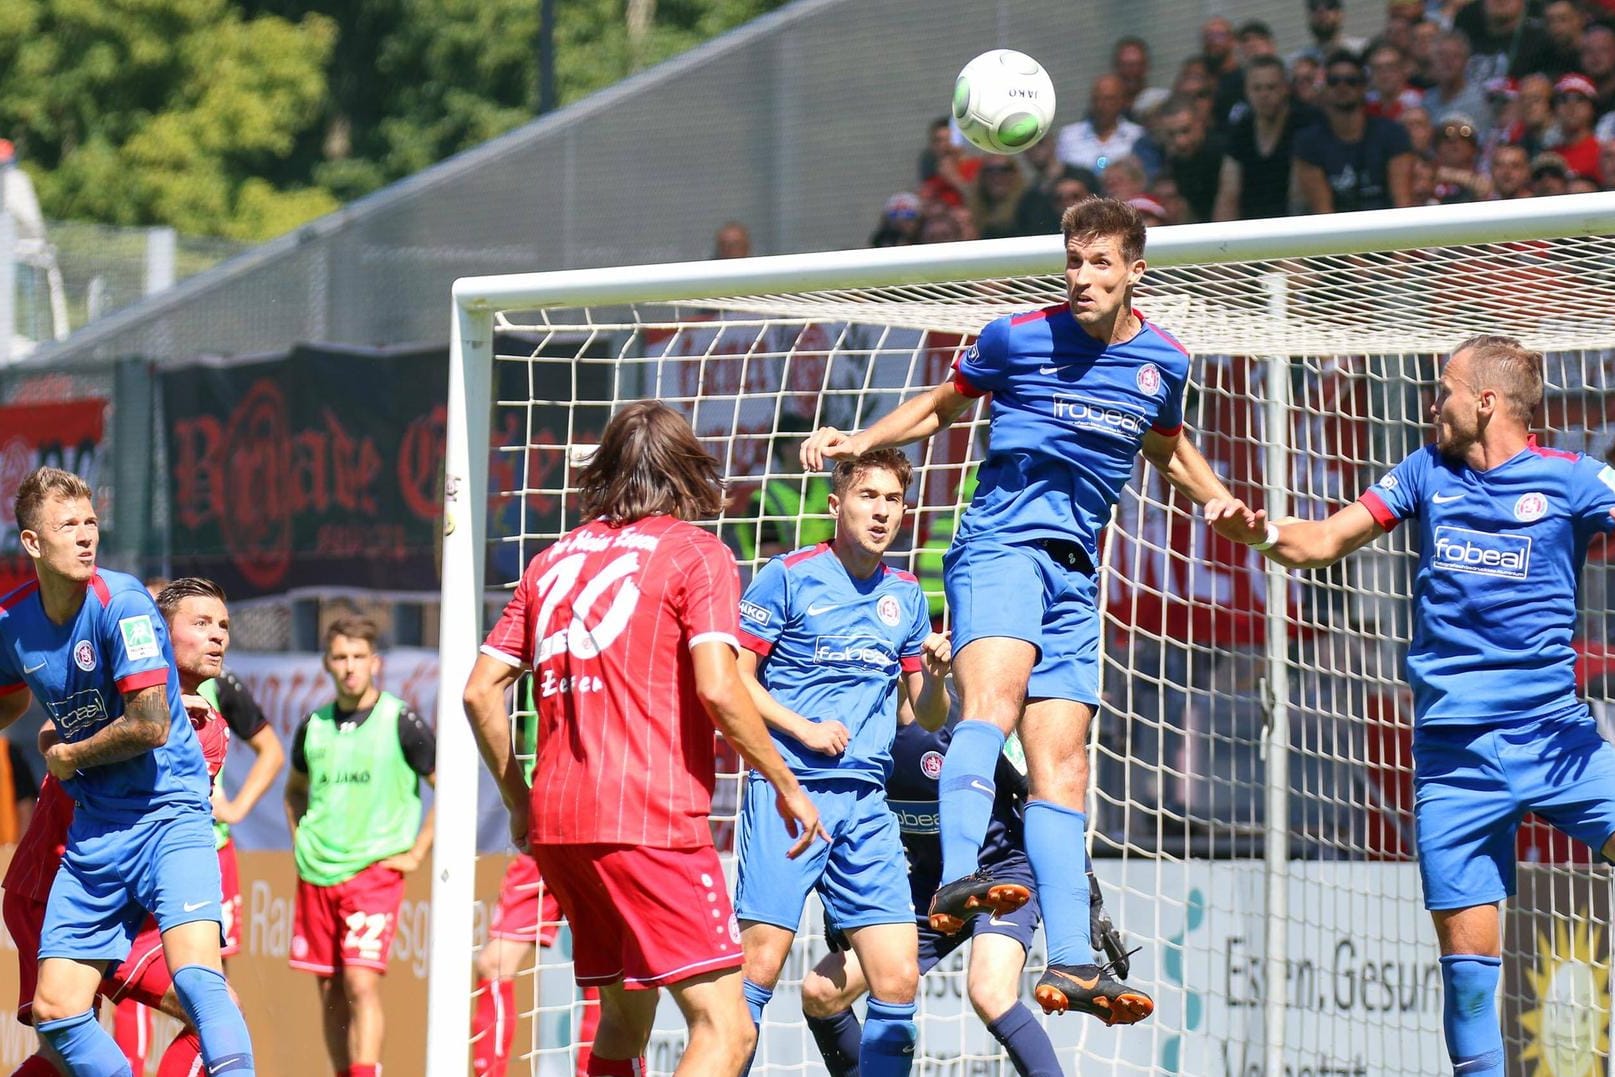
(1379, 510)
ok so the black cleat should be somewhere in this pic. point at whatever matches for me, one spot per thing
(955, 903)
(1092, 989)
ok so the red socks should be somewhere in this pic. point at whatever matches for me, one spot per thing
(493, 1024)
(131, 1028)
(183, 1057)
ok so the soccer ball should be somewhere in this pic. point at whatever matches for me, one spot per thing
(1003, 101)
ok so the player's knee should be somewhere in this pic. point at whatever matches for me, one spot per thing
(820, 995)
(991, 999)
(898, 982)
(488, 962)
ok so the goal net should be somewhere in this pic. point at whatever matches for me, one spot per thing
(1251, 806)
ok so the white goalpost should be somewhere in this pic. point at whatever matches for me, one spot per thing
(1251, 805)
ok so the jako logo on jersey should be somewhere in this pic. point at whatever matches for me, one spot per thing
(1462, 550)
(346, 777)
(931, 765)
(84, 655)
(917, 816)
(751, 611)
(1606, 475)
(1388, 482)
(78, 712)
(861, 650)
(1532, 506)
(1149, 379)
(888, 610)
(1100, 418)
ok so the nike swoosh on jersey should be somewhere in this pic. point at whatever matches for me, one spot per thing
(192, 906)
(1048, 370)
(814, 610)
(33, 669)
(1442, 500)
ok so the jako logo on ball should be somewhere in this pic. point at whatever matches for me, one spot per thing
(1003, 101)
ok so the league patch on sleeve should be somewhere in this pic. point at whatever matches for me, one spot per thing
(139, 638)
(753, 612)
(1606, 475)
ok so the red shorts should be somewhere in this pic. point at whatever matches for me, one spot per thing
(527, 909)
(230, 875)
(144, 975)
(351, 923)
(25, 919)
(645, 917)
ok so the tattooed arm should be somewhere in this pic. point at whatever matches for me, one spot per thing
(142, 727)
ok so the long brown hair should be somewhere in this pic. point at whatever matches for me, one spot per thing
(650, 462)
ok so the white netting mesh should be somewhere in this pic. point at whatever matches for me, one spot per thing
(1180, 776)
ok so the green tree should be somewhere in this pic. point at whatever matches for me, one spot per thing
(163, 111)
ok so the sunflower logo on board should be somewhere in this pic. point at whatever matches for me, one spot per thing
(1567, 1030)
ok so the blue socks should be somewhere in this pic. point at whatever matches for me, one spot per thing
(839, 1037)
(226, 1046)
(887, 1048)
(1469, 1014)
(84, 1045)
(966, 792)
(1054, 835)
(757, 997)
(1030, 1051)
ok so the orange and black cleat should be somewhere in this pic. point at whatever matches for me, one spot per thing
(1092, 989)
(955, 903)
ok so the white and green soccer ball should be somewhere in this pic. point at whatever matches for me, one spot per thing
(1003, 101)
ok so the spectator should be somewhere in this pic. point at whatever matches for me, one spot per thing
(1255, 39)
(1457, 155)
(1579, 184)
(1222, 67)
(899, 221)
(353, 801)
(1130, 62)
(1606, 162)
(1306, 82)
(1421, 53)
(1353, 161)
(1105, 133)
(1422, 182)
(995, 196)
(1565, 22)
(1124, 179)
(1326, 20)
(1421, 132)
(1389, 91)
(1598, 63)
(1573, 113)
(1401, 16)
(782, 514)
(1042, 165)
(733, 240)
(1454, 90)
(1511, 172)
(964, 222)
(939, 225)
(1536, 113)
(1193, 156)
(1153, 212)
(1502, 39)
(1195, 84)
(1041, 209)
(1164, 193)
(1549, 175)
(945, 171)
(1256, 174)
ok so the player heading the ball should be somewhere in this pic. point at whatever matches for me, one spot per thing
(1078, 391)
(629, 625)
(1498, 729)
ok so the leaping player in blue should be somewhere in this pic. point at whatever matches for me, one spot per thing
(1078, 391)
(92, 647)
(830, 634)
(1498, 728)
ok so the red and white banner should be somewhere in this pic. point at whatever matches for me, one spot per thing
(67, 435)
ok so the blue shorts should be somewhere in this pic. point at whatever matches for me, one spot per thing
(113, 875)
(861, 874)
(1023, 593)
(1473, 786)
(1019, 925)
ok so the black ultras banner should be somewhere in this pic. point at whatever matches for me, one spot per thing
(323, 467)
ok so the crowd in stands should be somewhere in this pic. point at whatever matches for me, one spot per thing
(1451, 101)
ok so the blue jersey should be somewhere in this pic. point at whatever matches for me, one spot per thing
(832, 648)
(116, 643)
(1499, 562)
(1069, 415)
(912, 793)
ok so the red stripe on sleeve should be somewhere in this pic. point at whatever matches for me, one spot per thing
(1167, 431)
(912, 664)
(1377, 508)
(755, 644)
(136, 681)
(962, 384)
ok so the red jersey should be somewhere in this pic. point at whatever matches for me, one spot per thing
(39, 852)
(606, 618)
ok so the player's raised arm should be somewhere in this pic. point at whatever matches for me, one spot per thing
(718, 683)
(1320, 543)
(1188, 472)
(914, 419)
(925, 689)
